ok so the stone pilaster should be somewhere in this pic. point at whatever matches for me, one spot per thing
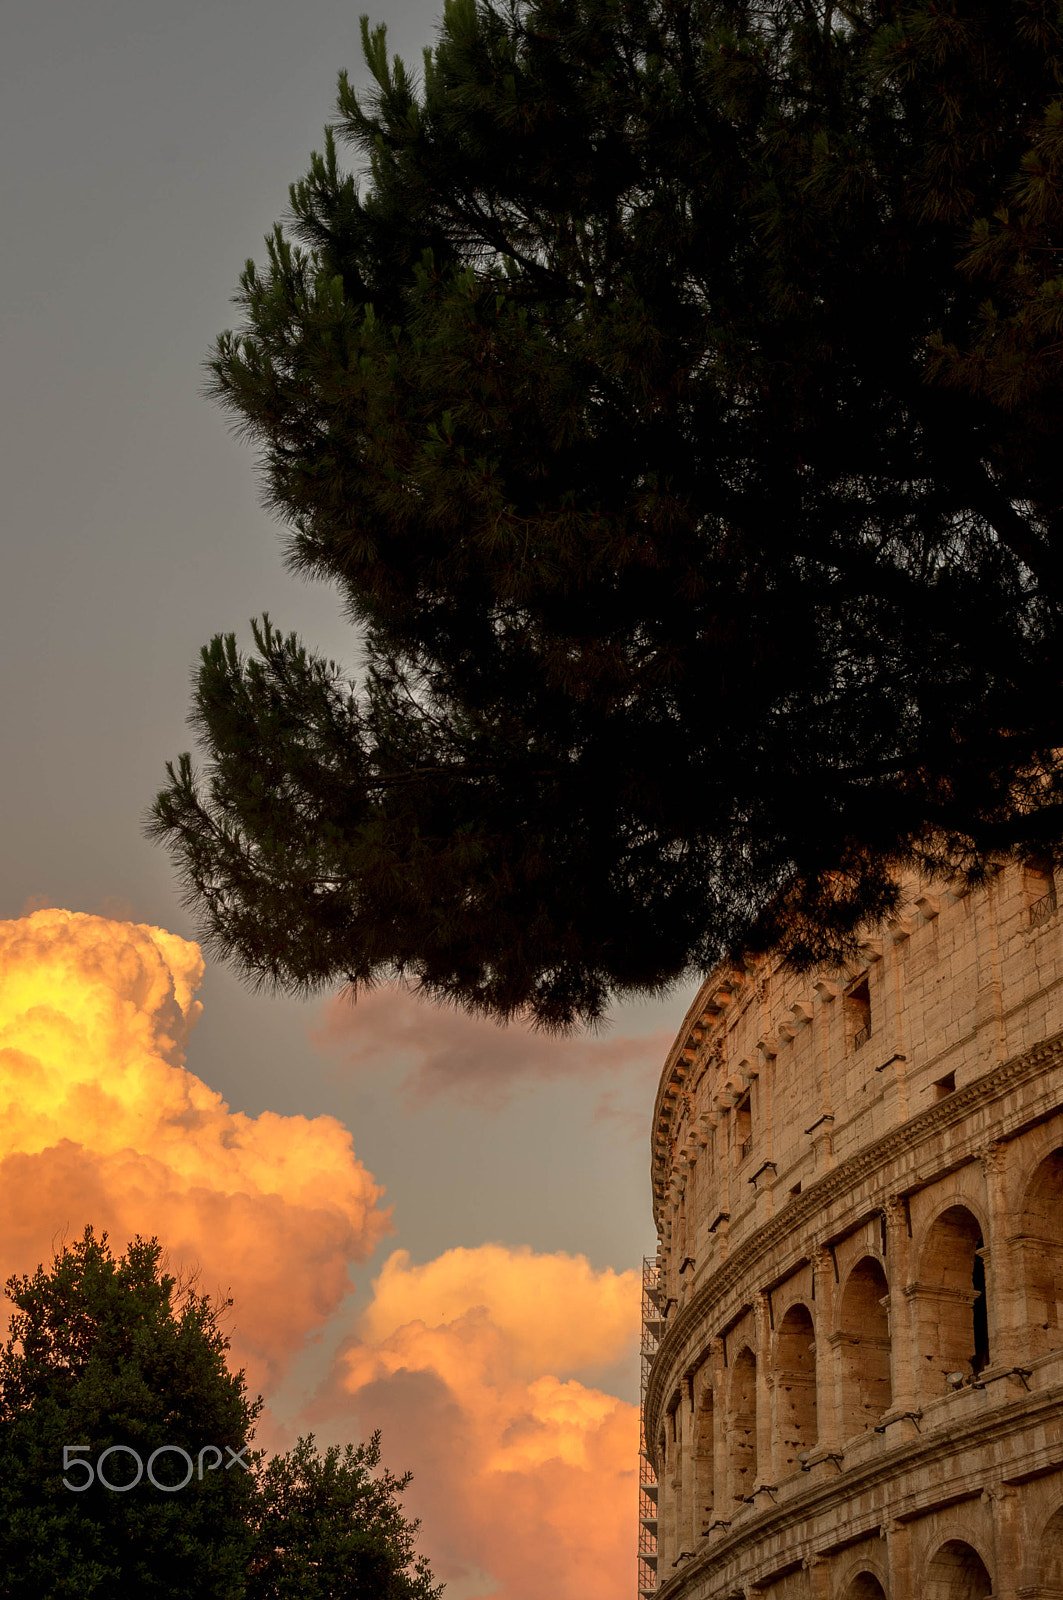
(765, 1456)
(898, 1539)
(1007, 1549)
(1003, 1291)
(828, 1399)
(904, 1343)
(722, 1489)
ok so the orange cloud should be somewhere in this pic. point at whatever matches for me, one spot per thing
(101, 1122)
(467, 1057)
(482, 1366)
(524, 1475)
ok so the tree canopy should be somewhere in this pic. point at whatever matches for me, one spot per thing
(117, 1356)
(329, 1527)
(115, 1353)
(673, 397)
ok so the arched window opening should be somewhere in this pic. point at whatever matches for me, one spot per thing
(795, 1387)
(865, 1586)
(742, 1433)
(704, 1463)
(953, 1314)
(1050, 1554)
(867, 1389)
(1040, 1248)
(957, 1572)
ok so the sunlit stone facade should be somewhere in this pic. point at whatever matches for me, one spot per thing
(858, 1184)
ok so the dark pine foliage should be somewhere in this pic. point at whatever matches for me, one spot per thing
(674, 401)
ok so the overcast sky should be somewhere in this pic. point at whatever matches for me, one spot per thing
(147, 148)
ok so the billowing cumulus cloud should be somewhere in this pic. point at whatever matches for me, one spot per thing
(482, 1367)
(524, 1473)
(101, 1122)
(447, 1051)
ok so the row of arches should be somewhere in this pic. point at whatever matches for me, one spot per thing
(954, 1572)
(953, 1341)
(828, 1372)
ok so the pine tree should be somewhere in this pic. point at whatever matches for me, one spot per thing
(673, 398)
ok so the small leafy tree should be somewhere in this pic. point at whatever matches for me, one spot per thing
(104, 1352)
(329, 1528)
(108, 1353)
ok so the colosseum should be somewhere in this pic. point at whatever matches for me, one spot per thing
(853, 1327)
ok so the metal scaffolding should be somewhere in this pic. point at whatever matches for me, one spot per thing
(652, 1327)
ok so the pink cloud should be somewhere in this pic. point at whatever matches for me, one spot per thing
(524, 1474)
(448, 1052)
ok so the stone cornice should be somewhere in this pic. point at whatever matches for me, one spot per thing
(890, 1465)
(803, 1212)
(694, 1038)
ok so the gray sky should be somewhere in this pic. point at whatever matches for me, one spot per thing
(147, 148)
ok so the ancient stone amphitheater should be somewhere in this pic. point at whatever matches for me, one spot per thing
(853, 1329)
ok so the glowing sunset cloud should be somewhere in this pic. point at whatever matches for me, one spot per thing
(521, 1470)
(100, 1122)
(480, 1366)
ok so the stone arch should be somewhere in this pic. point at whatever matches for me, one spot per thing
(742, 1429)
(864, 1329)
(865, 1586)
(957, 1572)
(704, 1462)
(951, 1301)
(1040, 1246)
(795, 1386)
(1050, 1554)
(863, 1577)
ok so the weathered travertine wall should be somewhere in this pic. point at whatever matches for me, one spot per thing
(858, 1185)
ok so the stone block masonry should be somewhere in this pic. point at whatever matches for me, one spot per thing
(857, 1393)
